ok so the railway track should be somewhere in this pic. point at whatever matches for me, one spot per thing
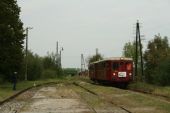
(166, 98)
(99, 96)
(22, 91)
(11, 100)
(84, 91)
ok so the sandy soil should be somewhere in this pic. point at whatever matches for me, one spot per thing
(54, 99)
(60, 98)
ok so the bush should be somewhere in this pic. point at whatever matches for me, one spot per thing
(34, 67)
(70, 71)
(49, 73)
(162, 73)
(1, 79)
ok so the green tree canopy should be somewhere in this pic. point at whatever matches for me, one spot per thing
(11, 38)
(94, 58)
(129, 50)
(157, 51)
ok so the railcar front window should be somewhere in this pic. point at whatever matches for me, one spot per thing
(115, 66)
(122, 66)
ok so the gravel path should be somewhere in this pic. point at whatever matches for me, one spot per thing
(56, 99)
(59, 98)
(15, 105)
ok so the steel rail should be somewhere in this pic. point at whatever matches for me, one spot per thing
(24, 90)
(111, 102)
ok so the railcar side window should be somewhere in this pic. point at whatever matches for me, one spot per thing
(115, 65)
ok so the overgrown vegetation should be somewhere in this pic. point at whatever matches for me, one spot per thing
(156, 60)
(94, 58)
(42, 67)
(12, 51)
(11, 39)
(71, 71)
(150, 88)
(157, 57)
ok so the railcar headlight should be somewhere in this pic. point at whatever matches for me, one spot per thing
(114, 74)
(130, 74)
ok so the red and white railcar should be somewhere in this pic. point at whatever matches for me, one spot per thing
(114, 70)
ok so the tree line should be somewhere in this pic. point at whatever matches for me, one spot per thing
(12, 59)
(12, 53)
(11, 39)
(156, 60)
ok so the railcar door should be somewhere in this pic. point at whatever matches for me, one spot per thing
(115, 70)
(92, 71)
(101, 75)
(108, 70)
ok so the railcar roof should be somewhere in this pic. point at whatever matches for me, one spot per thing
(113, 59)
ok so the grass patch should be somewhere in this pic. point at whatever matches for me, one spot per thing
(158, 90)
(6, 88)
(135, 102)
(141, 87)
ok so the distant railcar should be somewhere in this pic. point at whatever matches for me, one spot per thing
(112, 70)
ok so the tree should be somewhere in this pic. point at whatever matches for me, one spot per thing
(94, 58)
(49, 61)
(129, 50)
(70, 71)
(50, 65)
(35, 66)
(157, 51)
(162, 76)
(11, 38)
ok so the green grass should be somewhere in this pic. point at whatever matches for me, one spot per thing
(164, 91)
(6, 88)
(135, 102)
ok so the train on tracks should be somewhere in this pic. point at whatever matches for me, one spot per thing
(116, 70)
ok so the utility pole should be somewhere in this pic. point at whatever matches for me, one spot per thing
(60, 56)
(57, 55)
(82, 63)
(57, 49)
(26, 53)
(138, 43)
(97, 51)
(97, 54)
(141, 54)
(136, 50)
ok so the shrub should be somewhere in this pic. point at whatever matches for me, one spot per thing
(49, 73)
(162, 73)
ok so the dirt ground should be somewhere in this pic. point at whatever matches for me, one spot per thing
(55, 99)
(93, 98)
(62, 99)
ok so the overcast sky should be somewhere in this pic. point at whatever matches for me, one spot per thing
(80, 26)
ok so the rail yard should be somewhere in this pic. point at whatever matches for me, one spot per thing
(83, 96)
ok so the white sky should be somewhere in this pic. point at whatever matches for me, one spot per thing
(80, 26)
